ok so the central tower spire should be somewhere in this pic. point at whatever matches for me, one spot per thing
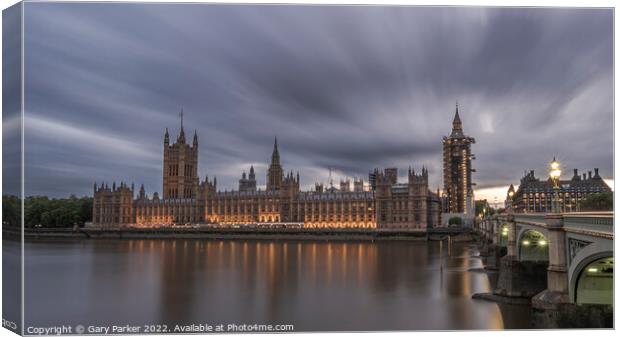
(275, 156)
(181, 115)
(182, 133)
(275, 173)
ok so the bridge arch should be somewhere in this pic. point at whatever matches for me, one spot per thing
(594, 282)
(594, 255)
(502, 234)
(532, 245)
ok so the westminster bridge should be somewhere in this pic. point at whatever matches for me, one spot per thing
(563, 262)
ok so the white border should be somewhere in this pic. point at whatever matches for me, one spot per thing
(505, 3)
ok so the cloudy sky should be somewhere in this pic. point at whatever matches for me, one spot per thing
(350, 88)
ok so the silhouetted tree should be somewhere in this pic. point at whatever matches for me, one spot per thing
(10, 211)
(603, 201)
(45, 212)
(455, 220)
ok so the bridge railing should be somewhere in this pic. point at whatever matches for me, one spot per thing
(602, 222)
(592, 222)
(529, 218)
(532, 218)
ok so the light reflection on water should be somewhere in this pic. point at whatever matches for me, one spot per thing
(315, 285)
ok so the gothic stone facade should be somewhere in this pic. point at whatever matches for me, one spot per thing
(459, 195)
(186, 199)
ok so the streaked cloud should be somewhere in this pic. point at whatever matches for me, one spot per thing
(85, 139)
(346, 87)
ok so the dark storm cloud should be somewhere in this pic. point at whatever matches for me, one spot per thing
(11, 102)
(351, 88)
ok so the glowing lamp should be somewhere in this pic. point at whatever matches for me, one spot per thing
(555, 164)
(555, 171)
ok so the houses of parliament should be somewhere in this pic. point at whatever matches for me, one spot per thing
(187, 199)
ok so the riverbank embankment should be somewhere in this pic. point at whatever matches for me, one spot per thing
(242, 233)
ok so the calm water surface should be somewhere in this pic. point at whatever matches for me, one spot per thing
(317, 286)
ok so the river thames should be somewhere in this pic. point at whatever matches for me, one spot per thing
(313, 285)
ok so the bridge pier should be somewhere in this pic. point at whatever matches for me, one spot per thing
(508, 268)
(493, 257)
(493, 248)
(557, 275)
(483, 232)
(549, 304)
(519, 279)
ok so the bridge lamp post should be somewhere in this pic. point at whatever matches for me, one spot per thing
(554, 173)
(510, 195)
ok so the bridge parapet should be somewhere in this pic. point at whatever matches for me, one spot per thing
(536, 219)
(601, 223)
(593, 223)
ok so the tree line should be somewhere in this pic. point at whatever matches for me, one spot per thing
(41, 211)
(603, 201)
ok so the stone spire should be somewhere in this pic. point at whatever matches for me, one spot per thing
(182, 133)
(457, 126)
(195, 138)
(166, 137)
(275, 174)
(275, 156)
(252, 176)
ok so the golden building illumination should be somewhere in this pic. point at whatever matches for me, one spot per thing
(187, 200)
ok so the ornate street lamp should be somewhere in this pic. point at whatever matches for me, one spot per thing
(554, 173)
